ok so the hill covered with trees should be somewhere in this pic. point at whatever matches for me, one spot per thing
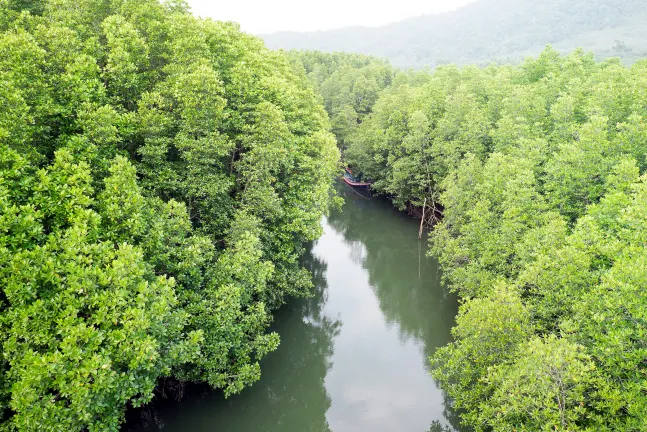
(503, 31)
(159, 176)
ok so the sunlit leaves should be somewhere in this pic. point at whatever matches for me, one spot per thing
(88, 325)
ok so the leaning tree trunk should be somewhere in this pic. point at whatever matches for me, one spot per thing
(422, 220)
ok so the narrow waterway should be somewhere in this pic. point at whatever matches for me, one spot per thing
(352, 358)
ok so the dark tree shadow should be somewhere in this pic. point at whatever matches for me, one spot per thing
(290, 396)
(407, 283)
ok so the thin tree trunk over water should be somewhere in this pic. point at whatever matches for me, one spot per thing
(422, 221)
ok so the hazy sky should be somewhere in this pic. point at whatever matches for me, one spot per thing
(265, 16)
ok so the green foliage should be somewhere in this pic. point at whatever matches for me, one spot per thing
(550, 387)
(87, 325)
(488, 332)
(537, 171)
(553, 212)
(349, 84)
(159, 176)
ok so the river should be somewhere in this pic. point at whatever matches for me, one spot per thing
(354, 356)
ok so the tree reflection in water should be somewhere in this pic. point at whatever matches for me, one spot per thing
(405, 281)
(404, 311)
(290, 395)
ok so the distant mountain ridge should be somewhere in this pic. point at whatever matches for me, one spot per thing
(491, 30)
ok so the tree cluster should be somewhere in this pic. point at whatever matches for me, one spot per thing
(540, 173)
(349, 85)
(159, 176)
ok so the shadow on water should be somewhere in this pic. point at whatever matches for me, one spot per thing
(290, 395)
(406, 282)
(354, 356)
(407, 285)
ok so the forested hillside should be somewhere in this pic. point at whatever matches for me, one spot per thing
(540, 174)
(159, 176)
(487, 31)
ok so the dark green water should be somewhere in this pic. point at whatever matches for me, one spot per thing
(353, 358)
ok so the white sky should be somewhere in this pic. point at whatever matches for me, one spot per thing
(266, 16)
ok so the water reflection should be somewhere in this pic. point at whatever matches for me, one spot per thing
(395, 313)
(406, 282)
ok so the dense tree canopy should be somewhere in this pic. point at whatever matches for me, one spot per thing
(540, 174)
(159, 175)
(349, 85)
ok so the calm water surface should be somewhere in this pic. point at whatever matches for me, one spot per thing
(352, 358)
